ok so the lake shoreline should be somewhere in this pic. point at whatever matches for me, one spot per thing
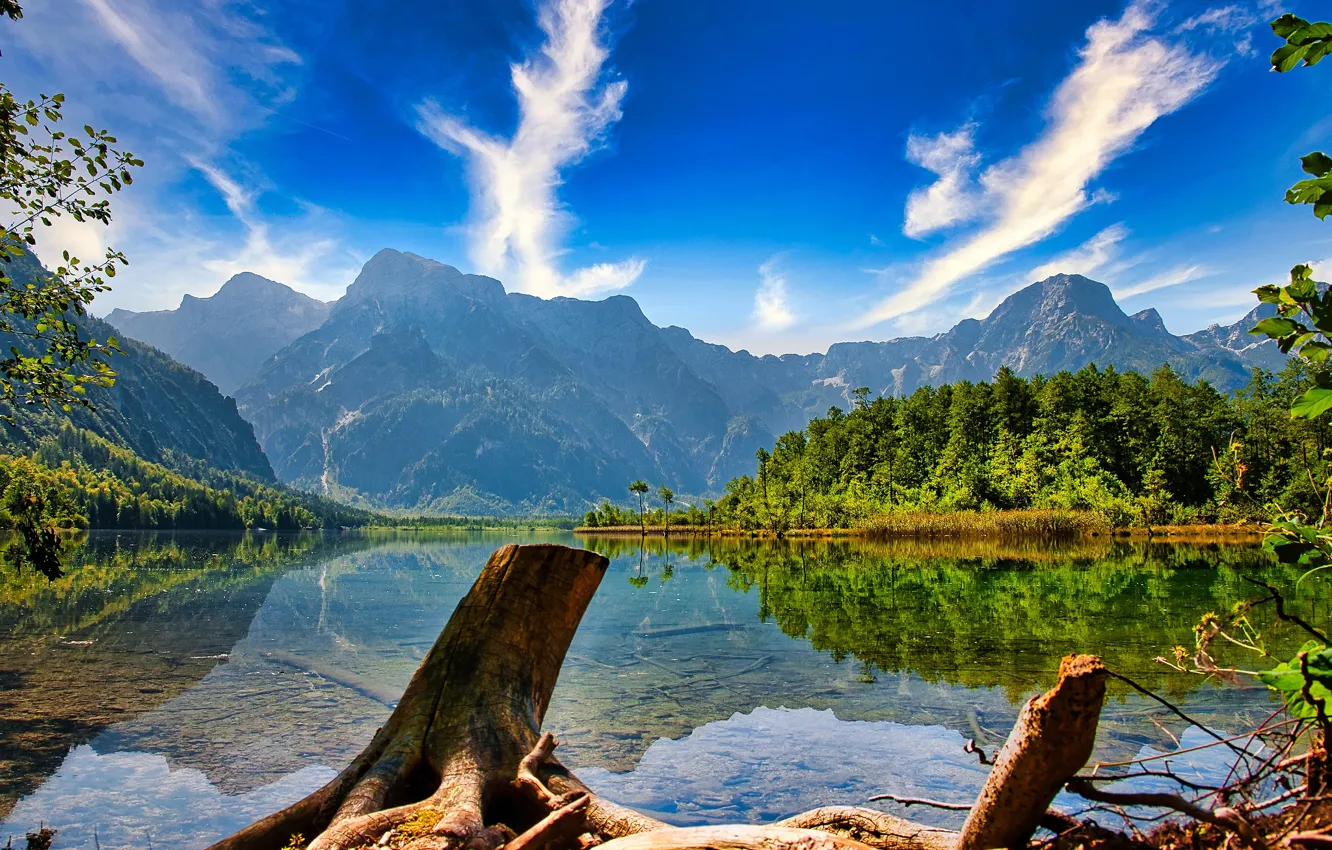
(1220, 532)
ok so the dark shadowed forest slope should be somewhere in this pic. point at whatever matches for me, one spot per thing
(163, 411)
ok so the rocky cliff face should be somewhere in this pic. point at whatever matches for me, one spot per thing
(1236, 339)
(229, 334)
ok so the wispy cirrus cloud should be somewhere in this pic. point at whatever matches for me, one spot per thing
(211, 60)
(1125, 79)
(1162, 280)
(771, 309)
(565, 108)
(298, 256)
(1085, 259)
(179, 84)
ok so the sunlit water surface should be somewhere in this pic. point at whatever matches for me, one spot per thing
(171, 689)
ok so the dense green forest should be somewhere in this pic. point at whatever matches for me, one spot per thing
(1136, 450)
(76, 479)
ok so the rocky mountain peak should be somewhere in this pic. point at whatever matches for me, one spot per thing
(400, 276)
(1062, 295)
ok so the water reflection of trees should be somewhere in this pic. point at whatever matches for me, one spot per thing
(135, 621)
(109, 573)
(986, 613)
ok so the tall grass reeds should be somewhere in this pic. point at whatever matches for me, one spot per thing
(1011, 525)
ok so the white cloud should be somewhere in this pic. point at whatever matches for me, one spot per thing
(1221, 18)
(207, 59)
(1123, 82)
(950, 199)
(1171, 277)
(602, 277)
(1086, 258)
(300, 258)
(771, 310)
(177, 67)
(564, 110)
(1226, 19)
(177, 83)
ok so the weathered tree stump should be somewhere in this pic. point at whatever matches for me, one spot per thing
(470, 714)
(461, 764)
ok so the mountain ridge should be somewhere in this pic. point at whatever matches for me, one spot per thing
(197, 332)
(162, 410)
(427, 387)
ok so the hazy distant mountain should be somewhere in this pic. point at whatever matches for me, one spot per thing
(427, 387)
(227, 335)
(158, 407)
(1063, 322)
(1253, 350)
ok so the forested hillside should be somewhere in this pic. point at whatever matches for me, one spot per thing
(1136, 449)
(79, 479)
(161, 410)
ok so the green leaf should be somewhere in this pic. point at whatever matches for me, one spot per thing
(1316, 352)
(1302, 290)
(1316, 163)
(1275, 327)
(1287, 24)
(1313, 403)
(1287, 57)
(1268, 294)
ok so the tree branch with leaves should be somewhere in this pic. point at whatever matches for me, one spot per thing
(47, 172)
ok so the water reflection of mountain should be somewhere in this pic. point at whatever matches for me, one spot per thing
(370, 614)
(134, 622)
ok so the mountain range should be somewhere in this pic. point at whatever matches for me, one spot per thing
(427, 388)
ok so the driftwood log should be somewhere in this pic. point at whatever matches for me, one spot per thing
(461, 763)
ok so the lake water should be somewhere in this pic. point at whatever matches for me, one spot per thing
(172, 688)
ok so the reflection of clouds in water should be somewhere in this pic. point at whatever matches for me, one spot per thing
(130, 798)
(772, 763)
(1209, 767)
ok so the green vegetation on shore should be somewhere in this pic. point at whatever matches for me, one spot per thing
(1130, 449)
(87, 481)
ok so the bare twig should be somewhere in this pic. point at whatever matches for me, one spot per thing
(1098, 765)
(920, 801)
(563, 823)
(1225, 818)
(1281, 612)
(970, 747)
(1178, 712)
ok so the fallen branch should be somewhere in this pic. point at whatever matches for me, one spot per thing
(1052, 740)
(564, 823)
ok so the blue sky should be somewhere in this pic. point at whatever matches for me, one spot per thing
(772, 175)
